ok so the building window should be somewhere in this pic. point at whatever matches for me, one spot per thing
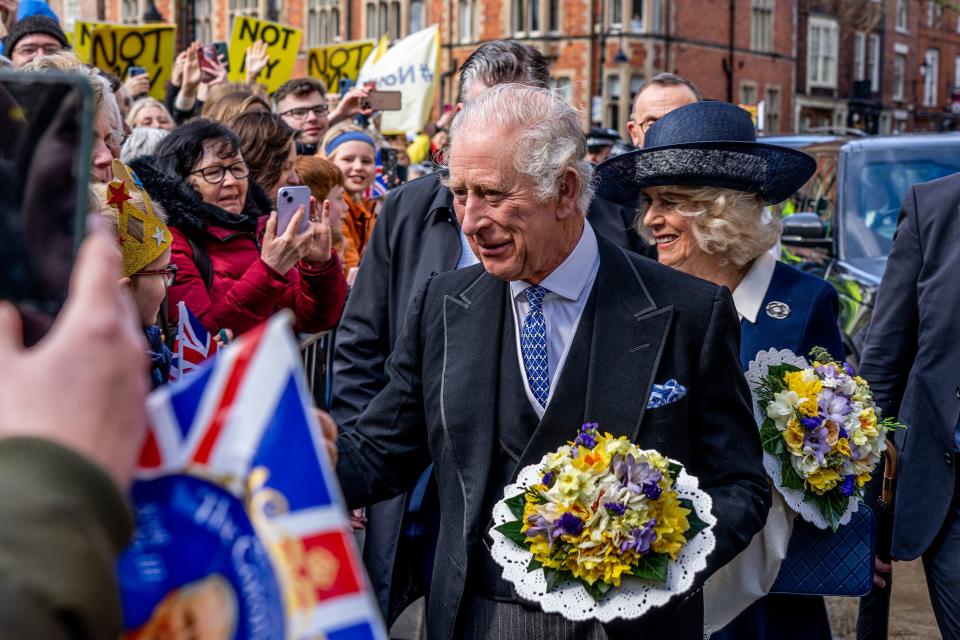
(931, 77)
(417, 17)
(334, 25)
(247, 8)
(323, 22)
(204, 20)
(525, 16)
(636, 16)
(636, 81)
(748, 93)
(553, 16)
(656, 18)
(859, 56)
(463, 20)
(372, 21)
(382, 18)
(956, 72)
(873, 62)
(899, 66)
(394, 26)
(761, 25)
(901, 15)
(563, 88)
(130, 12)
(934, 12)
(616, 14)
(822, 53)
(772, 110)
(533, 15)
(612, 110)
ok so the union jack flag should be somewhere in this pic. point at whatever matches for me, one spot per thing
(244, 423)
(192, 346)
(379, 186)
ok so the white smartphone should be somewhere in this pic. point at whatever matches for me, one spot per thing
(289, 199)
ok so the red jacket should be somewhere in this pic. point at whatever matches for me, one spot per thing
(243, 290)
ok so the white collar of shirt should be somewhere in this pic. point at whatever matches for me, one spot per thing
(749, 294)
(569, 279)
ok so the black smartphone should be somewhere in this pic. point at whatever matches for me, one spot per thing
(46, 125)
(136, 71)
(223, 54)
(388, 162)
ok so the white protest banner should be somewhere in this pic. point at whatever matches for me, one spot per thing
(410, 67)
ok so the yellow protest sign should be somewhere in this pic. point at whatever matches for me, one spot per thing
(333, 62)
(116, 49)
(82, 35)
(282, 42)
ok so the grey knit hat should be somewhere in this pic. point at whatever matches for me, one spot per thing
(31, 25)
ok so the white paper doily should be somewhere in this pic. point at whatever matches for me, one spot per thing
(793, 497)
(634, 597)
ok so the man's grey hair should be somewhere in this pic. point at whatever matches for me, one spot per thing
(502, 61)
(545, 132)
(670, 80)
(143, 141)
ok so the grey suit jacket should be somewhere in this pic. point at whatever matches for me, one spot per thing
(912, 358)
(651, 324)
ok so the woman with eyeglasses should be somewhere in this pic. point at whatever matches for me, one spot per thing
(233, 269)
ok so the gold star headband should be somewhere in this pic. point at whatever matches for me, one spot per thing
(144, 236)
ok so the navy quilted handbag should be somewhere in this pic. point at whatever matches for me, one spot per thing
(823, 563)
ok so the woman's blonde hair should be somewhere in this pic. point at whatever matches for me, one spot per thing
(730, 224)
(141, 104)
(336, 132)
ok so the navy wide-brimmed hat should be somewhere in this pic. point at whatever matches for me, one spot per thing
(706, 144)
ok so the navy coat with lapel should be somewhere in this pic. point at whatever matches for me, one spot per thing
(651, 324)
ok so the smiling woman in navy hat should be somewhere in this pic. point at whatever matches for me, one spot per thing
(707, 181)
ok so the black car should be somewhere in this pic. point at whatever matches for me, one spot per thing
(841, 224)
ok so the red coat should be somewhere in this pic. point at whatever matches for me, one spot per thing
(243, 290)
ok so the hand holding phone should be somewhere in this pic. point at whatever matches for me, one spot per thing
(289, 199)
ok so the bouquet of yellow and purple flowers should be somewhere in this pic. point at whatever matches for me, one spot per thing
(820, 425)
(600, 510)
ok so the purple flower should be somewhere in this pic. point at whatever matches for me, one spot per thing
(843, 433)
(811, 423)
(540, 526)
(587, 435)
(849, 369)
(569, 523)
(815, 443)
(833, 406)
(548, 479)
(638, 477)
(847, 487)
(615, 508)
(642, 538)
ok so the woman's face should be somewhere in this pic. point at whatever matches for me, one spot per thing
(676, 245)
(153, 116)
(356, 160)
(105, 147)
(288, 177)
(230, 193)
(337, 206)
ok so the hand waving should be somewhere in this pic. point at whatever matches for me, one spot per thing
(256, 60)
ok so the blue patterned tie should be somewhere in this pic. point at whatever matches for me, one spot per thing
(533, 343)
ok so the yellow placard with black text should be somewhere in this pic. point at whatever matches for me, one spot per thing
(82, 35)
(117, 48)
(333, 62)
(283, 44)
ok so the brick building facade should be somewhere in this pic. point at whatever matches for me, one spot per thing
(879, 65)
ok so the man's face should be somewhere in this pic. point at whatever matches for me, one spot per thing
(307, 114)
(33, 46)
(656, 101)
(515, 234)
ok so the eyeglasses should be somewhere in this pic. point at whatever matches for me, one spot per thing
(169, 274)
(301, 112)
(30, 50)
(645, 126)
(217, 173)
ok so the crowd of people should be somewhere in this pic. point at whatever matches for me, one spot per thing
(513, 254)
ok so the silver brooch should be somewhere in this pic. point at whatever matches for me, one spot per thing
(778, 310)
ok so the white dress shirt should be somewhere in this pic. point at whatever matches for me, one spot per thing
(569, 286)
(467, 257)
(749, 294)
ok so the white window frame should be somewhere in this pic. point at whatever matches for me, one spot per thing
(822, 63)
(931, 78)
(902, 15)
(873, 61)
(638, 25)
(859, 56)
(563, 87)
(750, 86)
(414, 27)
(762, 25)
(899, 79)
(772, 108)
(956, 71)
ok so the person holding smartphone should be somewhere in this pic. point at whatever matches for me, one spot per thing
(235, 268)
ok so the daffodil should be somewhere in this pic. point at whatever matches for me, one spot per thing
(823, 480)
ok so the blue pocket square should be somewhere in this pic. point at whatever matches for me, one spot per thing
(666, 393)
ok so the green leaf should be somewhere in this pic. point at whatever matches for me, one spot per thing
(696, 524)
(771, 438)
(674, 470)
(789, 478)
(832, 505)
(555, 578)
(596, 590)
(534, 565)
(653, 567)
(516, 505)
(821, 355)
(511, 530)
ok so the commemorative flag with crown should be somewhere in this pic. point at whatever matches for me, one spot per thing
(242, 531)
(143, 235)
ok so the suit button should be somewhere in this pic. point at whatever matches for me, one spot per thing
(948, 457)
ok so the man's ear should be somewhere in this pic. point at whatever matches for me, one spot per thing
(568, 194)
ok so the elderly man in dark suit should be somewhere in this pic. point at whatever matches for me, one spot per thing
(417, 235)
(499, 363)
(911, 360)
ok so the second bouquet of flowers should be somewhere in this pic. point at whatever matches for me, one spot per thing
(602, 529)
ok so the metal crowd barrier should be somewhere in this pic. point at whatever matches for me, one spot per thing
(316, 349)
